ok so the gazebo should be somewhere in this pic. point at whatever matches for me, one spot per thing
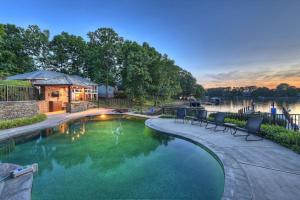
(58, 91)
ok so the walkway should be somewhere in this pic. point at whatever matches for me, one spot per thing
(52, 121)
(55, 119)
(253, 170)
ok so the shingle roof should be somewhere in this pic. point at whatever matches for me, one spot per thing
(53, 78)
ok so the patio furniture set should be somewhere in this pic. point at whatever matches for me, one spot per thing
(252, 126)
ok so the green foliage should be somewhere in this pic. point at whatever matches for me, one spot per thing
(68, 54)
(187, 83)
(278, 134)
(199, 91)
(282, 90)
(13, 57)
(135, 75)
(287, 138)
(15, 83)
(239, 123)
(103, 55)
(36, 44)
(6, 124)
(139, 70)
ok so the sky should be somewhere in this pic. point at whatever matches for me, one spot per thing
(221, 42)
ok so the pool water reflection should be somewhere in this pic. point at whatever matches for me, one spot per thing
(117, 159)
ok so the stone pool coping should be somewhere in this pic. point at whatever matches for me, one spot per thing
(253, 170)
(15, 188)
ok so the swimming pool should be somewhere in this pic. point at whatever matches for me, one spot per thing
(108, 157)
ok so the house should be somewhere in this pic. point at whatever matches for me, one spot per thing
(102, 91)
(58, 91)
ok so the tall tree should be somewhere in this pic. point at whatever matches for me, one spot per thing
(68, 53)
(36, 42)
(187, 83)
(13, 56)
(102, 55)
(135, 75)
(199, 91)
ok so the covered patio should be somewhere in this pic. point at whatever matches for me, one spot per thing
(61, 92)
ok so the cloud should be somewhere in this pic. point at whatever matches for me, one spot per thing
(269, 77)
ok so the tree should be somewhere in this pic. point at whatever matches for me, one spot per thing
(140, 70)
(135, 75)
(13, 56)
(284, 89)
(187, 83)
(36, 44)
(165, 80)
(199, 91)
(68, 53)
(102, 55)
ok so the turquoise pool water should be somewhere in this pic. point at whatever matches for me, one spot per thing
(117, 158)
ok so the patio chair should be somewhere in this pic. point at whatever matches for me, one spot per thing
(218, 121)
(201, 117)
(252, 127)
(180, 114)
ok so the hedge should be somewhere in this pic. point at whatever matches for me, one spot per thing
(6, 124)
(15, 83)
(278, 134)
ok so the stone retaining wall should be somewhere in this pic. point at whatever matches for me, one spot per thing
(18, 109)
(81, 106)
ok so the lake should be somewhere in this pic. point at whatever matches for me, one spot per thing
(260, 105)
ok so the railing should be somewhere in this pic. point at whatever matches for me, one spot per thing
(268, 118)
(16, 93)
(247, 109)
(171, 110)
(115, 102)
(278, 119)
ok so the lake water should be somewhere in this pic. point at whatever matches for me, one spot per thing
(260, 105)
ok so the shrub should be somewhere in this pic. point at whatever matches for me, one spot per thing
(239, 123)
(276, 133)
(15, 83)
(6, 124)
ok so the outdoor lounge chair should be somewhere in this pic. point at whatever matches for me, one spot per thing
(252, 127)
(180, 114)
(218, 121)
(201, 117)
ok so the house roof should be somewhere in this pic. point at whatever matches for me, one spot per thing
(53, 78)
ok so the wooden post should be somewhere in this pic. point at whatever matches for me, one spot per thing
(6, 92)
(69, 99)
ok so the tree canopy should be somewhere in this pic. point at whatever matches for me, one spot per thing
(138, 69)
(282, 90)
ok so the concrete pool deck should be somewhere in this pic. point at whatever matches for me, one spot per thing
(253, 170)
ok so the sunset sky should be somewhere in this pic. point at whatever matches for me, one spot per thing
(223, 43)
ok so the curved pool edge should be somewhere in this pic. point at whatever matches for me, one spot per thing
(236, 183)
(56, 120)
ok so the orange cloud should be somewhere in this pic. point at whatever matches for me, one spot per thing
(261, 78)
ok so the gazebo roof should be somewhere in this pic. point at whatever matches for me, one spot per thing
(53, 78)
